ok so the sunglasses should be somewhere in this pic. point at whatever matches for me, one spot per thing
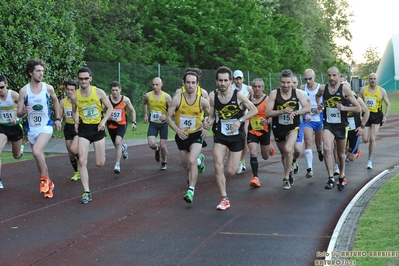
(2, 87)
(86, 78)
(308, 78)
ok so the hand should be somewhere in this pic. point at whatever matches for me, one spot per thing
(101, 126)
(58, 125)
(204, 133)
(134, 127)
(340, 107)
(182, 135)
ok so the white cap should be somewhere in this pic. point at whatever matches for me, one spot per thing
(238, 73)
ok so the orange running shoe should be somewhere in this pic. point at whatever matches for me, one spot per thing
(272, 151)
(44, 184)
(254, 182)
(49, 193)
(358, 153)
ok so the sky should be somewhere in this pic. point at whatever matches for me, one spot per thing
(374, 23)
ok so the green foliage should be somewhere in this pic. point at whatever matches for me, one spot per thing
(40, 29)
(372, 61)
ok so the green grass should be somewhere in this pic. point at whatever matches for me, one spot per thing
(379, 226)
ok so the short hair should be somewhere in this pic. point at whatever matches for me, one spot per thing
(286, 73)
(114, 84)
(260, 80)
(30, 66)
(84, 69)
(3, 78)
(223, 70)
(191, 73)
(195, 70)
(71, 82)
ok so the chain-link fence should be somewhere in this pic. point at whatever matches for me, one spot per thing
(136, 79)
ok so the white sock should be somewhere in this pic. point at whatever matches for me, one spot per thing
(309, 157)
(198, 161)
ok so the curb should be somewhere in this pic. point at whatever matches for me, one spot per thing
(342, 237)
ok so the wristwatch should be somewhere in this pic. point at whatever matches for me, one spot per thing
(58, 119)
(241, 120)
(362, 126)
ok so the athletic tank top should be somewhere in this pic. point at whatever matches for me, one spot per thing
(226, 115)
(68, 111)
(244, 89)
(331, 114)
(118, 115)
(282, 122)
(158, 107)
(89, 108)
(188, 117)
(8, 111)
(313, 103)
(373, 101)
(39, 114)
(254, 126)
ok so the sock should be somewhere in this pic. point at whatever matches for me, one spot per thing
(75, 164)
(309, 157)
(225, 197)
(254, 165)
(191, 188)
(198, 161)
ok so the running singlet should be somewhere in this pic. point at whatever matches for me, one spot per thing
(226, 115)
(283, 122)
(89, 108)
(315, 117)
(199, 92)
(39, 114)
(158, 107)
(244, 89)
(118, 115)
(254, 126)
(373, 100)
(354, 119)
(8, 111)
(188, 117)
(331, 114)
(68, 111)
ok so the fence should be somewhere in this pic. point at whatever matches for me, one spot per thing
(136, 79)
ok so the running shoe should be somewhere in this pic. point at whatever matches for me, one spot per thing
(189, 197)
(157, 156)
(341, 183)
(49, 193)
(86, 198)
(321, 154)
(336, 170)
(358, 153)
(272, 151)
(21, 152)
(201, 167)
(125, 154)
(243, 165)
(309, 173)
(295, 166)
(239, 170)
(346, 159)
(286, 184)
(291, 178)
(75, 177)
(44, 185)
(223, 205)
(117, 168)
(330, 183)
(369, 164)
(254, 182)
(163, 166)
(1, 184)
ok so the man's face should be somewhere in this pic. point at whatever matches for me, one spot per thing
(191, 83)
(309, 78)
(333, 77)
(257, 87)
(223, 82)
(37, 74)
(238, 81)
(70, 90)
(294, 83)
(373, 80)
(286, 84)
(156, 84)
(84, 80)
(3, 88)
(116, 92)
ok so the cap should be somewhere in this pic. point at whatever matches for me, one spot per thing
(238, 73)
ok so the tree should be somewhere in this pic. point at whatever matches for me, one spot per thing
(40, 29)
(373, 59)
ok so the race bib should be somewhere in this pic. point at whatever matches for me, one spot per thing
(116, 115)
(333, 115)
(284, 119)
(227, 127)
(90, 112)
(371, 102)
(7, 115)
(255, 123)
(187, 122)
(352, 125)
(155, 116)
(68, 112)
(314, 115)
(36, 119)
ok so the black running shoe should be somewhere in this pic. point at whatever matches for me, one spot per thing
(157, 156)
(330, 183)
(341, 183)
(321, 154)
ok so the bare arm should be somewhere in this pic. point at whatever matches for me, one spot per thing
(387, 103)
(211, 118)
(252, 110)
(22, 110)
(206, 108)
(129, 105)
(171, 111)
(270, 105)
(105, 101)
(347, 93)
(56, 103)
(62, 109)
(144, 107)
